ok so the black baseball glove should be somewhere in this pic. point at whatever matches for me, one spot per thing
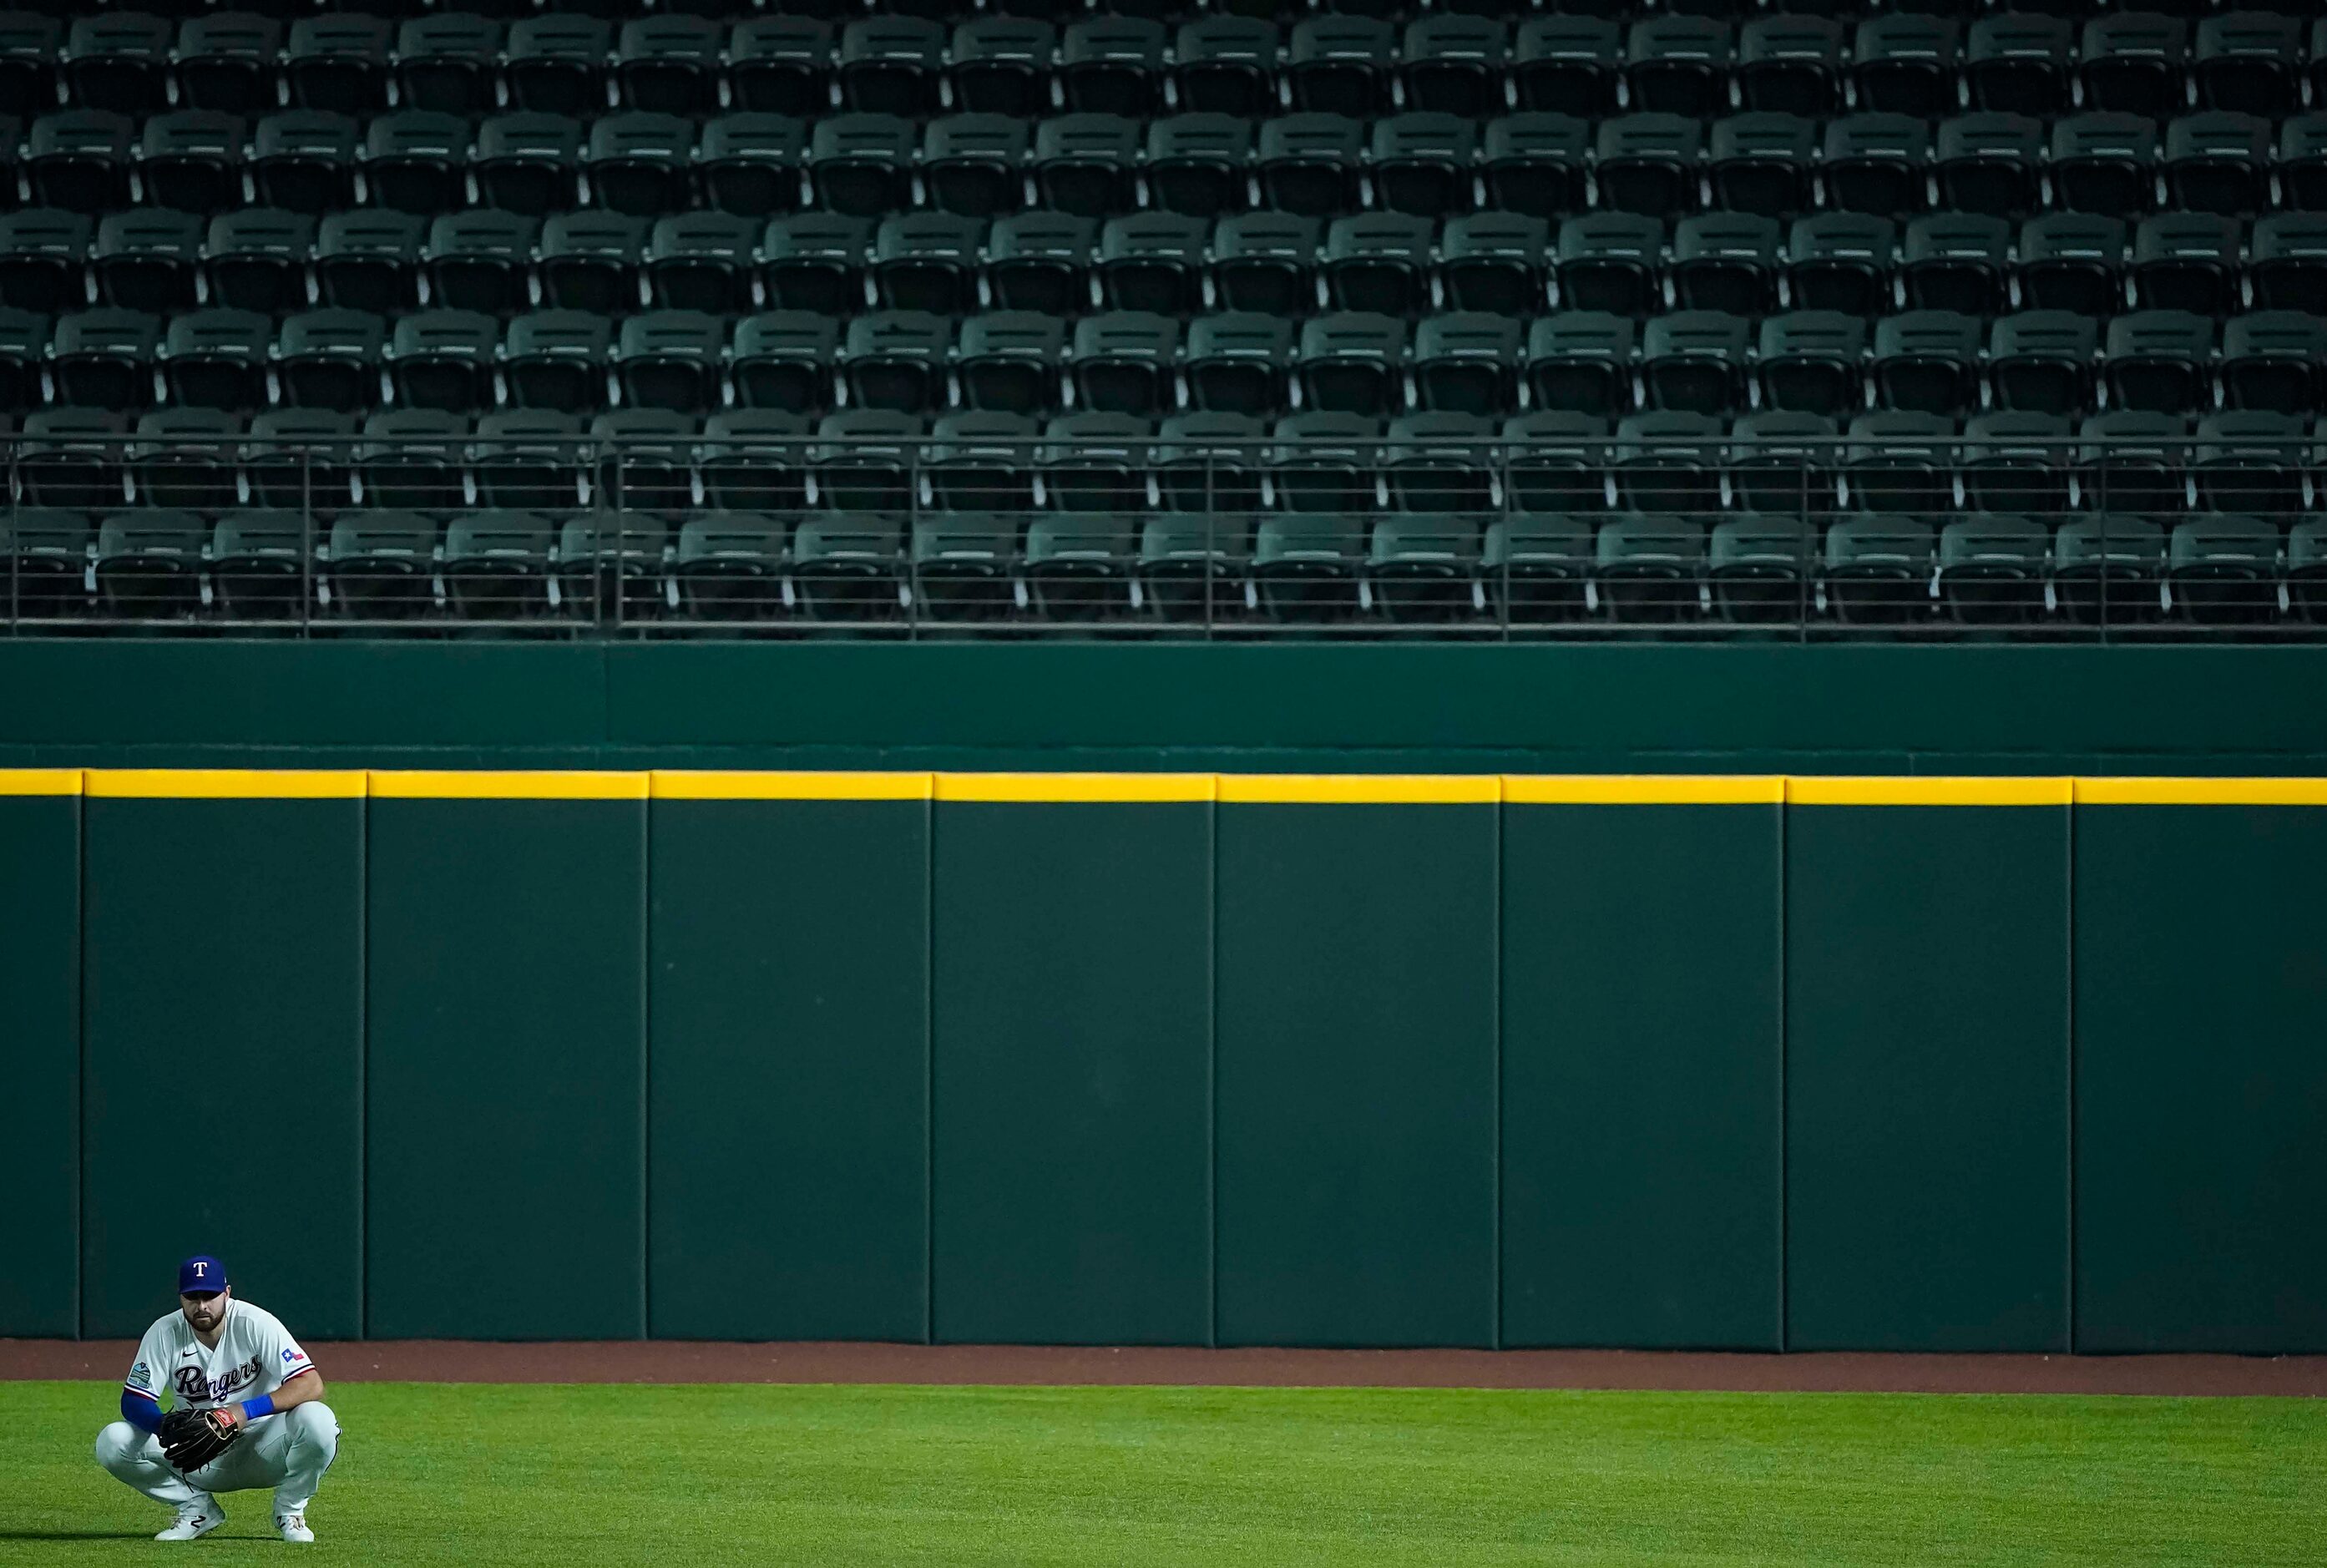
(191, 1439)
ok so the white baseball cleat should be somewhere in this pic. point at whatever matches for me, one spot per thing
(294, 1527)
(195, 1520)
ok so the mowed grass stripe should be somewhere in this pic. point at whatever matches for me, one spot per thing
(717, 1473)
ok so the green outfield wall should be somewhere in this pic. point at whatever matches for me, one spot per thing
(2014, 1062)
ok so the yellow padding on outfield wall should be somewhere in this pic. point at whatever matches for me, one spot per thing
(226, 783)
(681, 784)
(422, 784)
(1235, 789)
(1912, 791)
(40, 781)
(1644, 788)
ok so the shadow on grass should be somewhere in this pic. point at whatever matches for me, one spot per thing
(76, 1534)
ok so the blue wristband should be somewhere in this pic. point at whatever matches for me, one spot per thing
(252, 1409)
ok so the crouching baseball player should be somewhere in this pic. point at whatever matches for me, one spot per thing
(248, 1411)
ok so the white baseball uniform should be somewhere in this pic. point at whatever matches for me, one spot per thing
(255, 1356)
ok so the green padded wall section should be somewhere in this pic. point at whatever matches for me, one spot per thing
(224, 1002)
(2201, 1078)
(1642, 1025)
(40, 977)
(1355, 975)
(788, 1069)
(1072, 1002)
(505, 1105)
(1927, 1035)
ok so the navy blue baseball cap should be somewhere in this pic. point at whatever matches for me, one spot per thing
(200, 1274)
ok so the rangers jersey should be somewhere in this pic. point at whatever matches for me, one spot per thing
(256, 1355)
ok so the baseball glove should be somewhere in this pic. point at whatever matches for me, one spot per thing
(191, 1439)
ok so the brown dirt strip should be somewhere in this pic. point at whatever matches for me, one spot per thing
(693, 1361)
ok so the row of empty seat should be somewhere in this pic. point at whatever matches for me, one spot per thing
(1097, 165)
(1933, 363)
(1442, 571)
(276, 263)
(2270, 466)
(566, 62)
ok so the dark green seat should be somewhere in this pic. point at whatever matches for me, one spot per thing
(2132, 463)
(2218, 161)
(381, 564)
(2306, 568)
(1876, 164)
(1226, 65)
(530, 459)
(330, 360)
(1904, 63)
(1649, 162)
(2286, 262)
(1078, 566)
(149, 563)
(670, 64)
(446, 62)
(1197, 164)
(259, 565)
(965, 566)
(1087, 164)
(750, 162)
(1536, 162)
(1007, 361)
(1339, 64)
(24, 345)
(444, 359)
(2249, 61)
(528, 161)
(1208, 462)
(975, 164)
(2103, 162)
(1352, 362)
(782, 65)
(1536, 567)
(1306, 565)
(2017, 463)
(496, 564)
(1725, 261)
(1423, 163)
(1555, 460)
(1151, 261)
(865, 460)
(1609, 261)
(670, 360)
(1453, 65)
(1424, 567)
(300, 458)
(1783, 463)
(848, 566)
(1122, 361)
(1310, 162)
(1900, 462)
(46, 551)
(982, 461)
(1194, 566)
(1266, 262)
(147, 260)
(2110, 569)
(815, 261)
(1761, 568)
(1001, 65)
(1467, 362)
(1494, 261)
(1956, 261)
(1566, 62)
(730, 566)
(256, 259)
(1378, 262)
(1927, 362)
(2224, 569)
(1763, 162)
(613, 566)
(1649, 568)
(1582, 361)
(1238, 362)
(369, 260)
(1094, 464)
(644, 461)
(105, 359)
(640, 163)
(1322, 463)
(1114, 64)
(1812, 362)
(1695, 361)
(702, 261)
(1442, 462)
(2041, 361)
(417, 161)
(1668, 462)
(2187, 261)
(556, 360)
(1839, 262)
(1041, 262)
(2275, 361)
(2251, 462)
(1992, 569)
(1790, 65)
(782, 359)
(73, 458)
(413, 459)
(927, 261)
(860, 165)
(185, 458)
(2160, 362)
(895, 360)
(2072, 261)
(1879, 569)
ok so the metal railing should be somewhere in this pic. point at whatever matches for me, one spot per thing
(1685, 536)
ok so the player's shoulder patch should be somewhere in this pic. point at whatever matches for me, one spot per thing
(141, 1376)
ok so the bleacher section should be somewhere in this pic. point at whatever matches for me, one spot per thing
(1898, 315)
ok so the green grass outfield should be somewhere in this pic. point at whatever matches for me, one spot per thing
(582, 1476)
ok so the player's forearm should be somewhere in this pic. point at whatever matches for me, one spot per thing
(140, 1412)
(306, 1386)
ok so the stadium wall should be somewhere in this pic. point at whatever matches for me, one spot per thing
(2012, 1062)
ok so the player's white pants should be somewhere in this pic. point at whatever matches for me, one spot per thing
(289, 1453)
